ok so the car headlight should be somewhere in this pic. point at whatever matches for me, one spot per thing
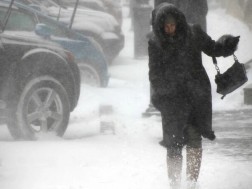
(70, 56)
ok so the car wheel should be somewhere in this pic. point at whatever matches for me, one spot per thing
(42, 108)
(89, 75)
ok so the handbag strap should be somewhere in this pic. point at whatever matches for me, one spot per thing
(216, 65)
(235, 58)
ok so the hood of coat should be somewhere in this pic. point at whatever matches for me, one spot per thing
(159, 15)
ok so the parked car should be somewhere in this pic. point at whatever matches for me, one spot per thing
(40, 84)
(93, 4)
(102, 26)
(110, 6)
(114, 8)
(88, 53)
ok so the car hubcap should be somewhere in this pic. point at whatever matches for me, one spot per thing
(89, 77)
(44, 110)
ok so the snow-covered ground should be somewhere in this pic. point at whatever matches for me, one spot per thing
(132, 158)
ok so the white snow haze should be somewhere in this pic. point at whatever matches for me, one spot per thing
(131, 158)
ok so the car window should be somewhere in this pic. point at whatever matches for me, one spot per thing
(55, 29)
(18, 21)
(2, 14)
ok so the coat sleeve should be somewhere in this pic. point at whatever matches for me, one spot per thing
(155, 64)
(225, 46)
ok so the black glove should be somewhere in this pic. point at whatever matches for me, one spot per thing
(229, 44)
(209, 135)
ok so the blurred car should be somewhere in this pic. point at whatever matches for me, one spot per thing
(88, 54)
(114, 8)
(110, 6)
(102, 26)
(40, 84)
(93, 4)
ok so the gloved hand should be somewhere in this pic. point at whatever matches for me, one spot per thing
(209, 135)
(229, 44)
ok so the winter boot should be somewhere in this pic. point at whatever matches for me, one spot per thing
(193, 163)
(174, 165)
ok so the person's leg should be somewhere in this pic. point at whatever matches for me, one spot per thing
(193, 161)
(193, 155)
(174, 166)
(173, 125)
(174, 114)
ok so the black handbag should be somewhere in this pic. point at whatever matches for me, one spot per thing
(230, 80)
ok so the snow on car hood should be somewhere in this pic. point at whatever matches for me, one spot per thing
(30, 38)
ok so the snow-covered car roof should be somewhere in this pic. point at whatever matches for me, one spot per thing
(96, 4)
(102, 20)
(86, 17)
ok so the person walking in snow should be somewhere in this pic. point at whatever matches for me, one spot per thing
(181, 87)
(195, 12)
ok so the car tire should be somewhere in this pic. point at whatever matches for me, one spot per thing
(41, 108)
(89, 75)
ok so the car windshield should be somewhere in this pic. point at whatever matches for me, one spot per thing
(4, 16)
(24, 20)
(17, 20)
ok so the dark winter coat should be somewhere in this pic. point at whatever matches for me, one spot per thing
(177, 76)
(195, 11)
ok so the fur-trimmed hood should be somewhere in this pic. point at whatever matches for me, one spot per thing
(159, 15)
